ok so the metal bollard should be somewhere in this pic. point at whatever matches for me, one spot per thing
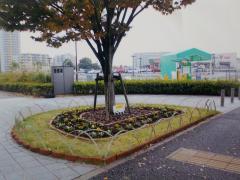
(239, 93)
(232, 94)
(222, 97)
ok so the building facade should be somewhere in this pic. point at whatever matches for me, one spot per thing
(33, 62)
(147, 61)
(196, 64)
(225, 61)
(59, 60)
(9, 48)
(189, 64)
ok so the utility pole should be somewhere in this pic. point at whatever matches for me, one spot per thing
(140, 65)
(133, 64)
(76, 55)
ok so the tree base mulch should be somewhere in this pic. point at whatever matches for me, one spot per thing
(94, 124)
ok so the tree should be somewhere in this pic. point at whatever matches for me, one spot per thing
(14, 66)
(101, 23)
(96, 66)
(85, 63)
(38, 65)
(68, 62)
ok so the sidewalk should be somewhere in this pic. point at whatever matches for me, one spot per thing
(19, 163)
(219, 135)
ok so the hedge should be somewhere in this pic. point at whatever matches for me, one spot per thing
(34, 89)
(132, 86)
(162, 87)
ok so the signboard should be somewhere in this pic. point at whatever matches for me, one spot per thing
(119, 108)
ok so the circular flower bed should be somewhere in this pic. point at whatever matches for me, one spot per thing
(94, 124)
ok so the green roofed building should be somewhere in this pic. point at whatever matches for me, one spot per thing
(189, 64)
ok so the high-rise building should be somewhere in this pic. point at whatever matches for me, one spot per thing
(9, 48)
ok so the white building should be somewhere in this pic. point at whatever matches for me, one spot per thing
(9, 47)
(59, 60)
(33, 62)
(226, 61)
(143, 61)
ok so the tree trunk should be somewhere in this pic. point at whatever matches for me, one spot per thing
(109, 88)
(109, 95)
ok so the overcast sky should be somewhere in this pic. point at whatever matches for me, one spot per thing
(211, 25)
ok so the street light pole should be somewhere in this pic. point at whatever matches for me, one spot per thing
(76, 55)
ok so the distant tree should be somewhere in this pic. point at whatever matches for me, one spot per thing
(85, 63)
(68, 62)
(96, 66)
(14, 66)
(101, 23)
(38, 65)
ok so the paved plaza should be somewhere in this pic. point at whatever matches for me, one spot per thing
(209, 151)
(18, 163)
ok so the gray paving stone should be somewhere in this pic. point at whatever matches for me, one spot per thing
(7, 162)
(56, 166)
(2, 177)
(46, 161)
(17, 176)
(37, 171)
(82, 169)
(65, 173)
(24, 159)
(30, 164)
(9, 169)
(45, 176)
(5, 156)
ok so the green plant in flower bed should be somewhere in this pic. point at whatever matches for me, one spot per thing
(36, 131)
(72, 122)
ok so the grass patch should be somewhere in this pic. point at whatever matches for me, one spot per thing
(35, 130)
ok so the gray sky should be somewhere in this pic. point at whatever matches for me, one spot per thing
(211, 25)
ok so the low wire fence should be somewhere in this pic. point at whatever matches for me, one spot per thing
(105, 148)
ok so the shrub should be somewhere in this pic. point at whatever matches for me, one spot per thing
(37, 77)
(162, 87)
(34, 89)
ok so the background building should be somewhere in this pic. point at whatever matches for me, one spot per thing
(147, 61)
(226, 61)
(33, 62)
(59, 60)
(197, 64)
(9, 48)
(189, 64)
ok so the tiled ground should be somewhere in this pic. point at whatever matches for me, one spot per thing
(207, 159)
(18, 163)
(220, 135)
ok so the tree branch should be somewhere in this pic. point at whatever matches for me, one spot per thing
(92, 47)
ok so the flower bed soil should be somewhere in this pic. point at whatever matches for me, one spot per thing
(94, 124)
